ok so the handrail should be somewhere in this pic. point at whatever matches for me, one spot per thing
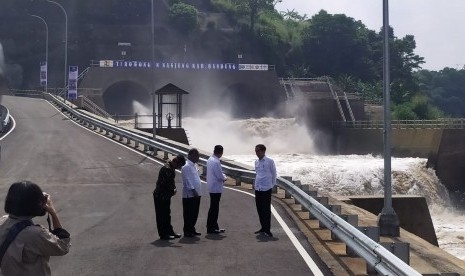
(337, 99)
(405, 124)
(94, 108)
(377, 256)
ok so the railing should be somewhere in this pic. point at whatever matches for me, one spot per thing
(405, 124)
(27, 93)
(338, 102)
(375, 255)
(93, 107)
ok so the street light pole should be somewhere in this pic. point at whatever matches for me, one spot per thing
(46, 49)
(66, 45)
(388, 221)
(154, 115)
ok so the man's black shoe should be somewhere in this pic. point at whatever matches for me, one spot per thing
(268, 234)
(259, 231)
(177, 236)
(197, 233)
(216, 231)
(166, 238)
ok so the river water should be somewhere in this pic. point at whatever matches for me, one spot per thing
(291, 146)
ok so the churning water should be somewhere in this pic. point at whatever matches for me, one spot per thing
(296, 155)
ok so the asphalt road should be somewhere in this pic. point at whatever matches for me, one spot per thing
(103, 192)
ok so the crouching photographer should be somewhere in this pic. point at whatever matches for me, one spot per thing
(26, 248)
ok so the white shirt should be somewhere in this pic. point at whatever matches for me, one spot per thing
(215, 176)
(190, 180)
(266, 174)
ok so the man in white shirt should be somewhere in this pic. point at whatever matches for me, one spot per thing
(215, 183)
(264, 182)
(191, 193)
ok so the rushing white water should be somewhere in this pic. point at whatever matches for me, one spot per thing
(293, 150)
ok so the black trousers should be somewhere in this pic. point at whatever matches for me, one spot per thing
(212, 220)
(163, 216)
(263, 203)
(190, 210)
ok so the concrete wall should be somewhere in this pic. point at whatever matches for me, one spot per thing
(405, 142)
(449, 160)
(249, 93)
(412, 211)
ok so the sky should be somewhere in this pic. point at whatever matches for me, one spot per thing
(438, 25)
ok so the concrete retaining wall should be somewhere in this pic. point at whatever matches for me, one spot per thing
(412, 211)
(449, 159)
(405, 142)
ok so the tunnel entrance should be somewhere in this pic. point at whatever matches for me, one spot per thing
(127, 98)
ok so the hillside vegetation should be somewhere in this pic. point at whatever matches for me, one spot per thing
(333, 45)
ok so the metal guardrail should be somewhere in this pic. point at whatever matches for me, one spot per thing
(375, 255)
(405, 124)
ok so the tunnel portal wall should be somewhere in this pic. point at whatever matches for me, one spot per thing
(250, 93)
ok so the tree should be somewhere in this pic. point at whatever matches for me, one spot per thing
(338, 45)
(446, 89)
(184, 17)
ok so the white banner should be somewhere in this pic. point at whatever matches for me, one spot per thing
(106, 63)
(253, 67)
(43, 73)
(72, 82)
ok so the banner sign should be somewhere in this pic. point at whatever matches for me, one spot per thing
(72, 82)
(183, 65)
(253, 67)
(106, 63)
(43, 73)
(175, 65)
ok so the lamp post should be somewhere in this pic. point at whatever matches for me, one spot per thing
(46, 49)
(154, 115)
(388, 221)
(66, 45)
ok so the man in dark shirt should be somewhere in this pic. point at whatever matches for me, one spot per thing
(162, 194)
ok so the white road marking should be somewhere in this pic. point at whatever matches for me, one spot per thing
(12, 128)
(308, 260)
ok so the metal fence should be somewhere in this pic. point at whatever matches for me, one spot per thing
(405, 124)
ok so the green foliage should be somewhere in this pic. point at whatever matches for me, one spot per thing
(418, 108)
(184, 17)
(446, 89)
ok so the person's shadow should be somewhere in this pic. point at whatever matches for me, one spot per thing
(164, 243)
(215, 237)
(189, 240)
(263, 238)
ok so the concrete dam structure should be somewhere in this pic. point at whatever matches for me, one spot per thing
(239, 92)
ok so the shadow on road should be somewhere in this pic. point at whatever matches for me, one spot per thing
(189, 240)
(215, 237)
(164, 243)
(263, 238)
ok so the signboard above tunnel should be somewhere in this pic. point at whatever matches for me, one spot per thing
(182, 65)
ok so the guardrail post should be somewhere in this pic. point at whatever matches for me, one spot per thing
(351, 219)
(238, 181)
(336, 209)
(146, 147)
(400, 249)
(309, 190)
(165, 154)
(370, 231)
